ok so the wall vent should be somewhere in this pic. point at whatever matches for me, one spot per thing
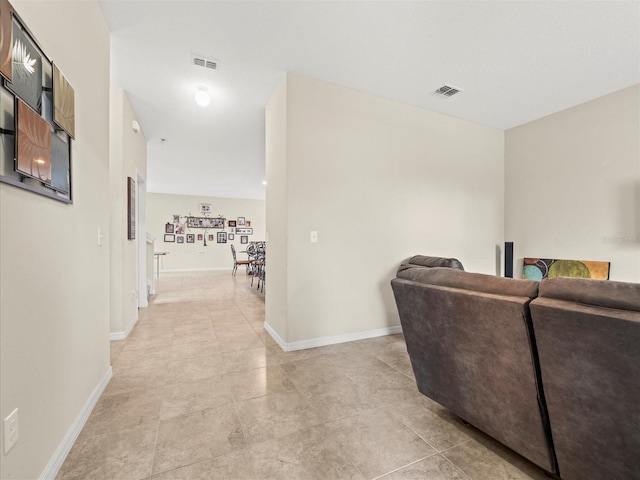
(205, 62)
(448, 90)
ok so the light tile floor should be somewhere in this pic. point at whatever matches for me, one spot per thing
(200, 391)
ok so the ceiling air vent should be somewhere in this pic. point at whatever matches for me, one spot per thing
(448, 91)
(205, 62)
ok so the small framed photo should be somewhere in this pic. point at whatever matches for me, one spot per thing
(240, 220)
(205, 208)
(210, 238)
(191, 238)
(248, 223)
(168, 228)
(180, 239)
(231, 236)
(244, 239)
(222, 237)
(200, 237)
(232, 223)
(176, 218)
(169, 238)
(180, 230)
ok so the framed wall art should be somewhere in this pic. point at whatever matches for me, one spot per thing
(169, 238)
(232, 223)
(200, 237)
(180, 239)
(240, 220)
(169, 228)
(230, 236)
(210, 238)
(205, 208)
(244, 239)
(539, 268)
(64, 104)
(244, 231)
(26, 75)
(248, 223)
(131, 208)
(33, 144)
(61, 163)
(191, 238)
(205, 222)
(6, 35)
(222, 237)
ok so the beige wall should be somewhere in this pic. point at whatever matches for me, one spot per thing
(54, 278)
(572, 185)
(187, 256)
(379, 181)
(276, 207)
(128, 158)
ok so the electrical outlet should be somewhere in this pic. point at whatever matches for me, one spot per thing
(202, 252)
(313, 237)
(11, 434)
(100, 237)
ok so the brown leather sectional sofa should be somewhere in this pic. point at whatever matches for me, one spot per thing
(549, 369)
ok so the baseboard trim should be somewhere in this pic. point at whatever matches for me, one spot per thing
(175, 270)
(53, 467)
(332, 340)
(125, 333)
(276, 338)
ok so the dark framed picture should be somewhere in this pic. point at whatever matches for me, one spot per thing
(222, 237)
(240, 220)
(176, 218)
(26, 75)
(180, 239)
(205, 208)
(169, 238)
(131, 208)
(244, 231)
(200, 237)
(232, 223)
(210, 238)
(231, 236)
(205, 222)
(168, 228)
(64, 105)
(33, 146)
(191, 238)
(244, 239)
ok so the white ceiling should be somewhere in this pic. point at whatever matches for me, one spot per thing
(515, 61)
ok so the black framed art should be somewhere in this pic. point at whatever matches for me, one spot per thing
(26, 76)
(169, 238)
(131, 208)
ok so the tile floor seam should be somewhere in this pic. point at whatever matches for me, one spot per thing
(451, 462)
(435, 450)
(404, 466)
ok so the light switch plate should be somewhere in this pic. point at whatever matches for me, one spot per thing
(10, 427)
(314, 237)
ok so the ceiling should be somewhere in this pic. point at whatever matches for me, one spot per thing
(515, 61)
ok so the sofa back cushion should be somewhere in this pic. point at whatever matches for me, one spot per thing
(588, 338)
(426, 261)
(473, 282)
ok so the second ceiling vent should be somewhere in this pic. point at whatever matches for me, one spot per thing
(448, 90)
(205, 62)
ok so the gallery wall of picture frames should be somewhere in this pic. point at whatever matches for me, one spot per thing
(37, 113)
(190, 228)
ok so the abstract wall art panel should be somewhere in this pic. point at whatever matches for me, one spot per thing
(26, 77)
(60, 164)
(63, 103)
(6, 33)
(539, 268)
(33, 152)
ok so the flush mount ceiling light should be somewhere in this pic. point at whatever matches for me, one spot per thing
(202, 96)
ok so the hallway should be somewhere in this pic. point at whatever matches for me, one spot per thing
(201, 391)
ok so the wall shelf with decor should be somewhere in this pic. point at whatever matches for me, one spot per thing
(37, 114)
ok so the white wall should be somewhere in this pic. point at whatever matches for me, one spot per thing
(572, 185)
(380, 181)
(54, 278)
(128, 158)
(160, 209)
